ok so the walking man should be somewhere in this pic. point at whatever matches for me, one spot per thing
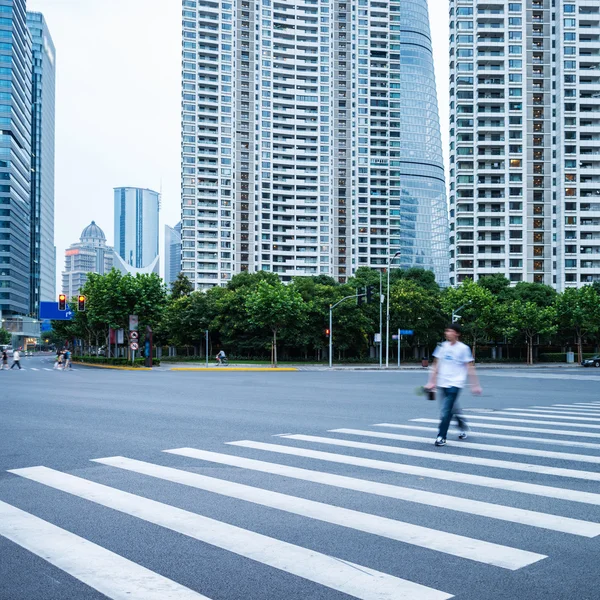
(452, 362)
(16, 359)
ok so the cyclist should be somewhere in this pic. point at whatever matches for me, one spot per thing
(221, 358)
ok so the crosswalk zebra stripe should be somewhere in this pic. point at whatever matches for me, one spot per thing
(45, 369)
(567, 407)
(34, 369)
(557, 412)
(346, 577)
(474, 446)
(469, 460)
(571, 433)
(590, 404)
(547, 414)
(464, 505)
(432, 539)
(499, 436)
(382, 465)
(99, 568)
(562, 423)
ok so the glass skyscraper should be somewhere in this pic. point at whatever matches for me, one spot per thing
(15, 158)
(136, 226)
(172, 254)
(43, 252)
(310, 139)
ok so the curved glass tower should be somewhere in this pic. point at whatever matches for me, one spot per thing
(423, 208)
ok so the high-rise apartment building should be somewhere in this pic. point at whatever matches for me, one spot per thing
(172, 253)
(136, 226)
(525, 140)
(310, 139)
(89, 255)
(15, 158)
(42, 252)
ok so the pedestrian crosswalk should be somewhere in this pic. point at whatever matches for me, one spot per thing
(294, 475)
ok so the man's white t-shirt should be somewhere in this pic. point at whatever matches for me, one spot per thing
(452, 364)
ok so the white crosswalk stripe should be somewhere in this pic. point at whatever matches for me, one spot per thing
(34, 369)
(532, 420)
(566, 408)
(457, 545)
(547, 414)
(355, 580)
(481, 480)
(469, 460)
(498, 436)
(475, 446)
(112, 575)
(568, 432)
(444, 501)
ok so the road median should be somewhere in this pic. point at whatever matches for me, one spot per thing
(237, 369)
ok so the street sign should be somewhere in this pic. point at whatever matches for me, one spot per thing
(377, 339)
(134, 345)
(120, 336)
(406, 331)
(395, 336)
(49, 310)
(133, 322)
(133, 336)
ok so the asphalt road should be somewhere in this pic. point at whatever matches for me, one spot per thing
(372, 512)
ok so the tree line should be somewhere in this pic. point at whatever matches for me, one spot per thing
(255, 315)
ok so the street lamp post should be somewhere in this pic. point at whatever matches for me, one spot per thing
(387, 327)
(455, 315)
(380, 320)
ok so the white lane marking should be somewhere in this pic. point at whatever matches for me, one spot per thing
(499, 436)
(557, 412)
(45, 369)
(517, 428)
(486, 447)
(464, 505)
(99, 568)
(425, 537)
(468, 460)
(586, 426)
(382, 465)
(543, 376)
(586, 404)
(544, 414)
(34, 369)
(587, 409)
(346, 577)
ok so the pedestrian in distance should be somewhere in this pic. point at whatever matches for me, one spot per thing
(453, 361)
(67, 360)
(4, 360)
(16, 359)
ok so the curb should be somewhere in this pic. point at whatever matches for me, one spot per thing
(95, 366)
(221, 369)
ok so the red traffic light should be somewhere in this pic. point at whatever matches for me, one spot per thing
(327, 332)
(62, 302)
(81, 303)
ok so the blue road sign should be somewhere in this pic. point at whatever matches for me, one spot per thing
(49, 310)
(406, 332)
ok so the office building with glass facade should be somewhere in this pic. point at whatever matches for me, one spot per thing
(310, 139)
(43, 252)
(525, 140)
(136, 226)
(172, 253)
(15, 158)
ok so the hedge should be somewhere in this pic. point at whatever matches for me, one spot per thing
(559, 357)
(117, 362)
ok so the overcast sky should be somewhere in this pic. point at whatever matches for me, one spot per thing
(118, 103)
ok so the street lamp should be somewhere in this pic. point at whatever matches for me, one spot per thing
(387, 331)
(455, 315)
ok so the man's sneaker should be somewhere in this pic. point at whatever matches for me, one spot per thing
(462, 435)
(440, 441)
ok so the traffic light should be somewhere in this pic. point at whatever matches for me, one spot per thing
(62, 302)
(81, 303)
(359, 296)
(369, 294)
(327, 332)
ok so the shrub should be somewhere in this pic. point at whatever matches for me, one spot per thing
(559, 357)
(117, 362)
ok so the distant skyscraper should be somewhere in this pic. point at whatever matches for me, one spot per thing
(525, 141)
(136, 226)
(89, 255)
(15, 158)
(43, 252)
(310, 139)
(172, 253)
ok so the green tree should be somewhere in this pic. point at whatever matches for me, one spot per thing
(480, 318)
(5, 336)
(275, 307)
(538, 293)
(531, 320)
(578, 311)
(498, 285)
(182, 286)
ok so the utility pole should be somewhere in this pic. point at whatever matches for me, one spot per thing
(387, 330)
(380, 320)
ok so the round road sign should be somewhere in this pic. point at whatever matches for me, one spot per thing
(133, 335)
(134, 345)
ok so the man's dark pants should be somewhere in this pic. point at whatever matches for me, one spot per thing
(16, 362)
(450, 409)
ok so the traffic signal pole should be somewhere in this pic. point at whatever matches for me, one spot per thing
(331, 307)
